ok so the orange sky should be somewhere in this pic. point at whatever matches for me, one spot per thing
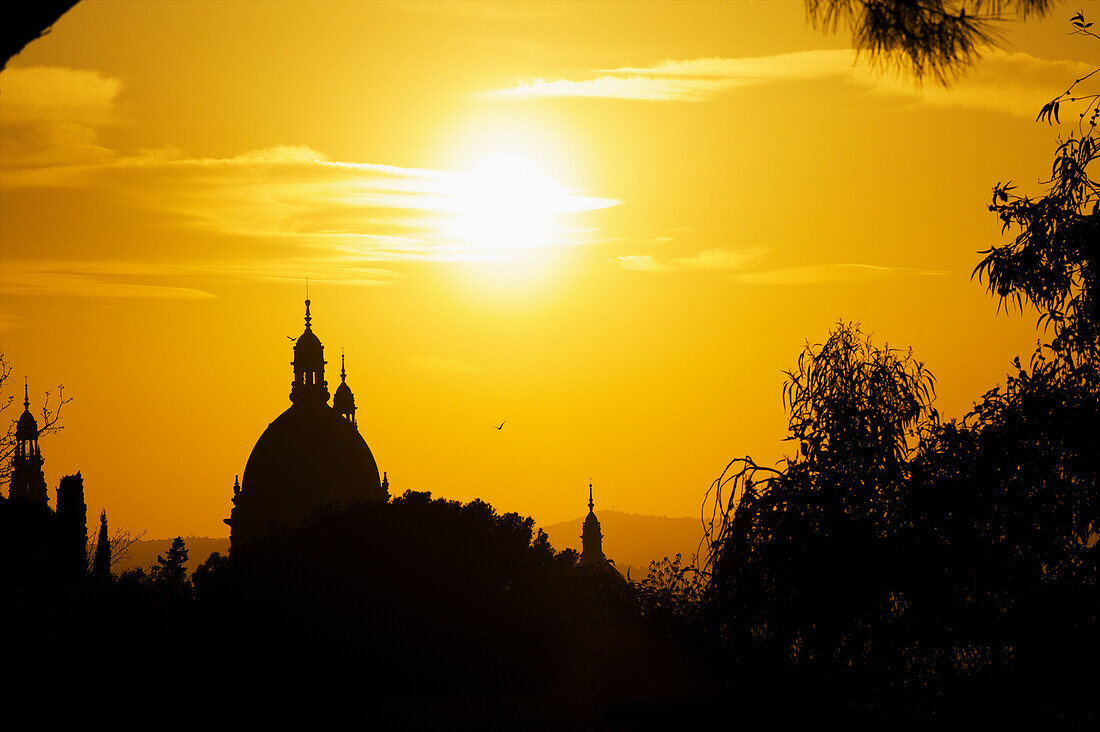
(612, 225)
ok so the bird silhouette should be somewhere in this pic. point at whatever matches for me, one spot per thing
(500, 427)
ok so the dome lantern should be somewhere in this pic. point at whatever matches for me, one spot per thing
(309, 367)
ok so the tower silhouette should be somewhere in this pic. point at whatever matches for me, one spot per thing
(591, 537)
(27, 480)
(343, 401)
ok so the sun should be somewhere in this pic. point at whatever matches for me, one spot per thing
(506, 204)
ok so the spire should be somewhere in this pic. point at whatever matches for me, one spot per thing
(590, 503)
(26, 397)
(343, 376)
(307, 313)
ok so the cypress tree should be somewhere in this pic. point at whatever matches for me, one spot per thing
(101, 567)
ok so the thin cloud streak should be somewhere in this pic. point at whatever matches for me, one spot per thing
(68, 284)
(1012, 83)
(708, 260)
(824, 273)
(738, 266)
(114, 279)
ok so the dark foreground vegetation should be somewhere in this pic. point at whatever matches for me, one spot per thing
(897, 570)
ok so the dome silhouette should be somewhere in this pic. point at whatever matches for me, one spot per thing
(309, 457)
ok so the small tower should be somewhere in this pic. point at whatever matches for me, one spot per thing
(27, 481)
(592, 538)
(309, 385)
(343, 401)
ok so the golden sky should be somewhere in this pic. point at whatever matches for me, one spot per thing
(612, 225)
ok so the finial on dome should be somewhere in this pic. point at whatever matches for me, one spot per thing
(26, 398)
(308, 318)
(590, 503)
(343, 376)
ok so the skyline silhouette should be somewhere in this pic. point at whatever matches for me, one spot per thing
(164, 209)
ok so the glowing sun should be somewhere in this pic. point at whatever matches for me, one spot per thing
(506, 203)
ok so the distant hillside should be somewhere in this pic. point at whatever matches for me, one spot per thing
(633, 540)
(144, 553)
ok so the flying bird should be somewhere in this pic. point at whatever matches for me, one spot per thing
(500, 427)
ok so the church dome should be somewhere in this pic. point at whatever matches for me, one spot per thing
(311, 456)
(307, 458)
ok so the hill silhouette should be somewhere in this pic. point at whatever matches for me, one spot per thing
(143, 553)
(633, 540)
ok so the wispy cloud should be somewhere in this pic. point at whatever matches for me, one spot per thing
(710, 260)
(35, 94)
(742, 266)
(340, 213)
(1014, 83)
(145, 279)
(819, 273)
(56, 283)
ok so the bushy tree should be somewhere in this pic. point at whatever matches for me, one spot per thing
(805, 561)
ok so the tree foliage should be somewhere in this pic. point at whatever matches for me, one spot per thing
(901, 565)
(937, 38)
(1051, 263)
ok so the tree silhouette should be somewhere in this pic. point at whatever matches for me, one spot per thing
(101, 566)
(804, 561)
(170, 571)
(935, 38)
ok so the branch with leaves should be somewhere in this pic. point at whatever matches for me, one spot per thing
(936, 38)
(1051, 264)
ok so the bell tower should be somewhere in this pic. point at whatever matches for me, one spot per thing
(27, 481)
